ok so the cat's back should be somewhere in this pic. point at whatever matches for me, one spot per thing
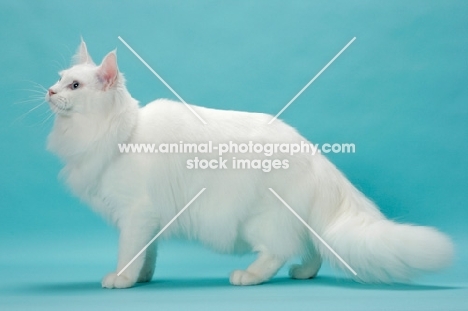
(164, 116)
(173, 111)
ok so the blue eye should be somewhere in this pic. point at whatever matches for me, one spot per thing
(74, 85)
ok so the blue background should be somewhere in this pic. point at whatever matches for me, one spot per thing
(399, 93)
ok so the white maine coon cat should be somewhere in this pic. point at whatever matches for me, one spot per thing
(141, 192)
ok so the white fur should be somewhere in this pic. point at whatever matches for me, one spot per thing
(140, 193)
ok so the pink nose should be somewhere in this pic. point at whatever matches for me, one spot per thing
(51, 92)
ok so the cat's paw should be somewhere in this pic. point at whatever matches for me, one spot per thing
(302, 272)
(112, 280)
(242, 277)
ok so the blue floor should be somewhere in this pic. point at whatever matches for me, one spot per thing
(189, 277)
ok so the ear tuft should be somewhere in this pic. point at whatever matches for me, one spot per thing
(82, 56)
(108, 70)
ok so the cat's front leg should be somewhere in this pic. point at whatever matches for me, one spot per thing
(134, 235)
(147, 271)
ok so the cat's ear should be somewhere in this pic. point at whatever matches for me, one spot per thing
(82, 56)
(108, 71)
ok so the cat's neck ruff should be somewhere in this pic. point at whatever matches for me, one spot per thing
(88, 143)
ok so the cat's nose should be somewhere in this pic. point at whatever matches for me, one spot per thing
(51, 92)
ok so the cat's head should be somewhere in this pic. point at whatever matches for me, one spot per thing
(86, 88)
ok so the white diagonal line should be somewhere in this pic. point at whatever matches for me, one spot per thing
(311, 81)
(160, 232)
(161, 79)
(313, 231)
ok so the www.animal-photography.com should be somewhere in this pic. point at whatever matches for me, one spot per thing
(219, 155)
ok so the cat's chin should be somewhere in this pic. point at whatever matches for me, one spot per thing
(59, 111)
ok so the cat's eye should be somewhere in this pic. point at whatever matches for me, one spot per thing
(74, 85)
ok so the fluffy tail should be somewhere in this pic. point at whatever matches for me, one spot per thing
(378, 249)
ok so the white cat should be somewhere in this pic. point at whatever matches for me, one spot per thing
(141, 192)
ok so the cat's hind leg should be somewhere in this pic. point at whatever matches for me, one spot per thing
(309, 267)
(262, 269)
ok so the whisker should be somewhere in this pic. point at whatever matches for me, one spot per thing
(40, 123)
(40, 87)
(33, 91)
(45, 112)
(38, 96)
(37, 85)
(28, 112)
(28, 101)
(50, 116)
(35, 95)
